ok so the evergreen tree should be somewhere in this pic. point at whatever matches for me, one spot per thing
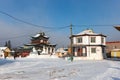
(9, 44)
(6, 44)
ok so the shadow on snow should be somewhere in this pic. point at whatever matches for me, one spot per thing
(4, 61)
(114, 78)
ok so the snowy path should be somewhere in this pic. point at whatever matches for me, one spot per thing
(58, 69)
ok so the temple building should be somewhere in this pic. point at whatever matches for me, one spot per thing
(41, 45)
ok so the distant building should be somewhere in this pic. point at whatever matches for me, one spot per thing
(89, 45)
(112, 46)
(62, 52)
(41, 45)
(4, 52)
(115, 53)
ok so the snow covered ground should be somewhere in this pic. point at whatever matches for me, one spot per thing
(58, 69)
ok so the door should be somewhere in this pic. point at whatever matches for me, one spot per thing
(79, 53)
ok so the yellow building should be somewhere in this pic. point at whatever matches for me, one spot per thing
(62, 52)
(4, 52)
(115, 53)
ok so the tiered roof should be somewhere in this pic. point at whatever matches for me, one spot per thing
(41, 34)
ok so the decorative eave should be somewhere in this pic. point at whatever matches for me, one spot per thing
(53, 45)
(39, 37)
(29, 44)
(78, 45)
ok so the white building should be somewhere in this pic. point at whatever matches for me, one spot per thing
(89, 45)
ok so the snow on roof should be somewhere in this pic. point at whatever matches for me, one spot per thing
(116, 50)
(88, 31)
(37, 35)
(62, 50)
(3, 48)
(46, 36)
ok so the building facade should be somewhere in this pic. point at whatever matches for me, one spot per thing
(41, 45)
(89, 45)
(112, 46)
(4, 52)
(115, 53)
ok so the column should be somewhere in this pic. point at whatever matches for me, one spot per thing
(76, 51)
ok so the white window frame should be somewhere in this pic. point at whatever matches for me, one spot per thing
(93, 50)
(93, 40)
(102, 40)
(79, 40)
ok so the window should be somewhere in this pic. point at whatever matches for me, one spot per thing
(102, 39)
(79, 40)
(41, 40)
(93, 39)
(93, 50)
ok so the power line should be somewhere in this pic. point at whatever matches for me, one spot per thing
(94, 25)
(60, 28)
(14, 37)
(35, 25)
(57, 28)
(28, 23)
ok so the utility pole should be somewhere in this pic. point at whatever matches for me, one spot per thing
(71, 41)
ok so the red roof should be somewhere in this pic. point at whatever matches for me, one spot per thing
(112, 42)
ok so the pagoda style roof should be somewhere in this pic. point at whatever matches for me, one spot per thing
(40, 44)
(41, 34)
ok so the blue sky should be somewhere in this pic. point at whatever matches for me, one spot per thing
(57, 13)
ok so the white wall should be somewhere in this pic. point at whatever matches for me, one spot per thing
(87, 40)
(98, 55)
(1, 54)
